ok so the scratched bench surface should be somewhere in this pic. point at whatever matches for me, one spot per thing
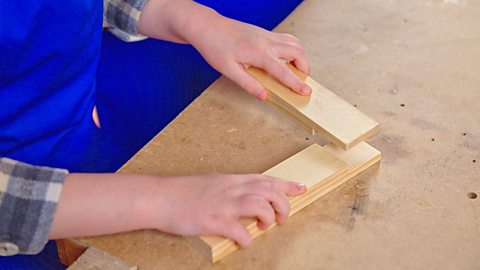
(412, 66)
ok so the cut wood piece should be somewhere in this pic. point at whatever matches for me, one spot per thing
(311, 166)
(320, 168)
(323, 111)
(358, 159)
(69, 250)
(294, 117)
(95, 259)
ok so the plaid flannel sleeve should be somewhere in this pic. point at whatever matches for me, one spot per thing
(121, 18)
(28, 200)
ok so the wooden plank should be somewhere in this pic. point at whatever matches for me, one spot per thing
(320, 168)
(323, 111)
(95, 259)
(69, 250)
(309, 166)
(316, 165)
(307, 126)
(358, 159)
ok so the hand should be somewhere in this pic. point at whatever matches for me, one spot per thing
(228, 45)
(190, 205)
(213, 204)
(231, 47)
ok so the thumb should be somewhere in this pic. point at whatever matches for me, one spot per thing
(238, 74)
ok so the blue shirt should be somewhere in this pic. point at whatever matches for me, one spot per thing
(49, 52)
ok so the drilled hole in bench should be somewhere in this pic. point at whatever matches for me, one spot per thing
(472, 195)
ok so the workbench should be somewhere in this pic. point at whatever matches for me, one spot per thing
(411, 65)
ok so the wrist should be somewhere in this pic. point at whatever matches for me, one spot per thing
(147, 204)
(181, 21)
(199, 23)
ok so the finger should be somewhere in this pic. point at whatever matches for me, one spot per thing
(238, 74)
(293, 52)
(274, 194)
(293, 188)
(288, 188)
(232, 229)
(258, 207)
(280, 71)
(242, 183)
(289, 38)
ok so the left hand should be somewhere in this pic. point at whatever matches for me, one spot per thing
(231, 47)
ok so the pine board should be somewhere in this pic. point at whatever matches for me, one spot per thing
(323, 111)
(321, 169)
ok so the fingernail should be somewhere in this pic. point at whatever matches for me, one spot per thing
(262, 95)
(301, 186)
(306, 90)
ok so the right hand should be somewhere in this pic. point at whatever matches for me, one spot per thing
(213, 204)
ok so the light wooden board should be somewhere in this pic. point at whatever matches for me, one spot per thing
(321, 169)
(323, 111)
(310, 166)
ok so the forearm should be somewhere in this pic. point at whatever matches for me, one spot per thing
(95, 204)
(180, 21)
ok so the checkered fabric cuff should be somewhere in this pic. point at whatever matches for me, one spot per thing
(121, 18)
(28, 200)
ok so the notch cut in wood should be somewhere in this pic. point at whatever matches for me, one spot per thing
(322, 169)
(323, 111)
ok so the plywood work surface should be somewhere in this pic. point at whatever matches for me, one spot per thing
(413, 67)
(95, 259)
